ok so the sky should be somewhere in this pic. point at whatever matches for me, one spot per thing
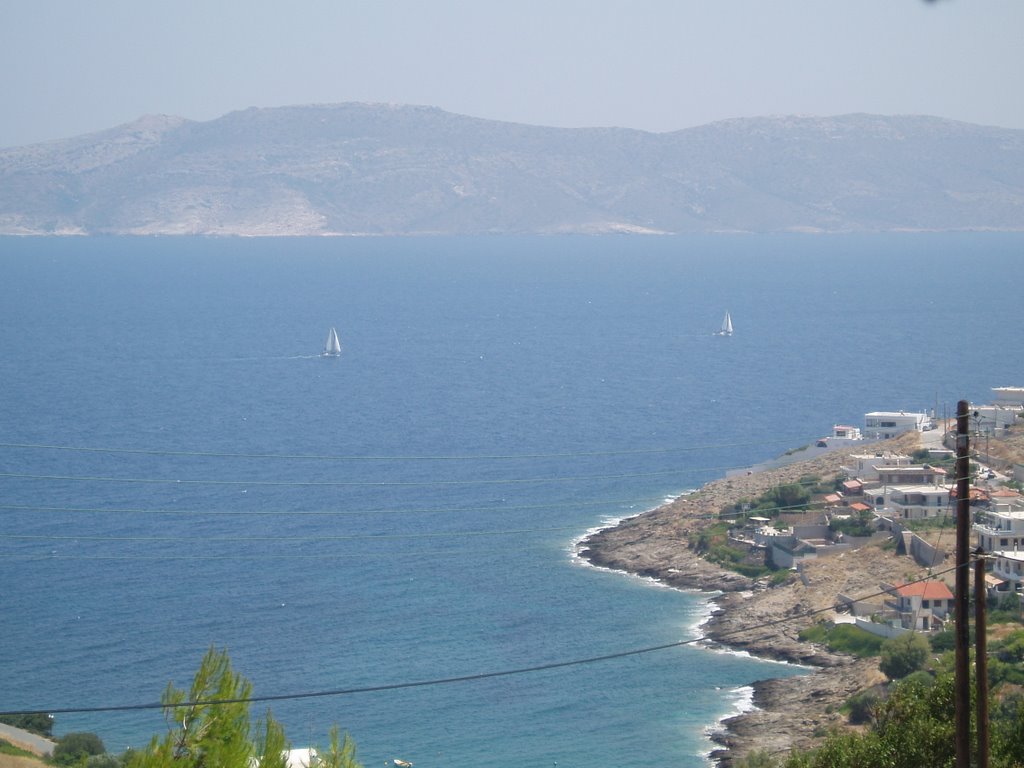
(69, 67)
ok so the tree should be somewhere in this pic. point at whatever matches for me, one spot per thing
(338, 755)
(903, 654)
(209, 726)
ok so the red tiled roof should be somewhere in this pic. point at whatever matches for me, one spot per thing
(927, 590)
(860, 506)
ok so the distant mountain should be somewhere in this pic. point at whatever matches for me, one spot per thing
(397, 170)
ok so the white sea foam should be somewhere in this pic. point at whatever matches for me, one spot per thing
(740, 701)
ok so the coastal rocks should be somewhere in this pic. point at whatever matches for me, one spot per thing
(790, 713)
(633, 547)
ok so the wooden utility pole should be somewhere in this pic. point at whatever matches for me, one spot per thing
(961, 601)
(980, 658)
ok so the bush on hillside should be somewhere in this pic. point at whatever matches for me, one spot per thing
(903, 654)
(77, 747)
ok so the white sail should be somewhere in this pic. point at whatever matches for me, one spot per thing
(727, 324)
(332, 347)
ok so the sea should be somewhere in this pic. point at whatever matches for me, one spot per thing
(385, 541)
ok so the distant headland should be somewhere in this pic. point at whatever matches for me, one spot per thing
(370, 169)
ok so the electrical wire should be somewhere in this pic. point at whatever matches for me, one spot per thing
(320, 457)
(452, 680)
(358, 483)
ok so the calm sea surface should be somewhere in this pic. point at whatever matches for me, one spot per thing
(407, 512)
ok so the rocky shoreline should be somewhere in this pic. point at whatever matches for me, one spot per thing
(789, 713)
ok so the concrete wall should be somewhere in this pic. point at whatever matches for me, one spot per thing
(880, 630)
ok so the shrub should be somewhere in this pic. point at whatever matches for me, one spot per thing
(845, 638)
(903, 654)
(75, 747)
(861, 706)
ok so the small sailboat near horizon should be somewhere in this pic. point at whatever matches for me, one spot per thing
(332, 347)
(726, 329)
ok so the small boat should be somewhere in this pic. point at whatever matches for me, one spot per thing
(332, 347)
(402, 763)
(726, 329)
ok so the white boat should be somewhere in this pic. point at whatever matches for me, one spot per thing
(332, 347)
(726, 325)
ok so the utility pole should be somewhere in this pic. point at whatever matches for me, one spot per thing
(961, 601)
(980, 658)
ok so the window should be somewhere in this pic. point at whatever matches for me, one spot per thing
(924, 604)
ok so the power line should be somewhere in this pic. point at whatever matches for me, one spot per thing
(458, 679)
(322, 457)
(314, 512)
(324, 537)
(356, 483)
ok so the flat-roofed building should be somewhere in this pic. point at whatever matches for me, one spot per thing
(882, 425)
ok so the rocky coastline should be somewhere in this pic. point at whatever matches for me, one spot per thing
(789, 713)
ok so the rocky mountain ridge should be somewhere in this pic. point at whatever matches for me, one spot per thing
(365, 169)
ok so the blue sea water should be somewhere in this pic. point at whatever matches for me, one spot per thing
(408, 512)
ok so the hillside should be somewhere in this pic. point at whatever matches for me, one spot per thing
(400, 170)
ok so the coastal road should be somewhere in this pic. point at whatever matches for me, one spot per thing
(19, 738)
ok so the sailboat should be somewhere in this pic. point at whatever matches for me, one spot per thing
(332, 347)
(726, 325)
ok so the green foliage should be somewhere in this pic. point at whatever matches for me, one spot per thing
(203, 734)
(782, 498)
(921, 678)
(209, 727)
(860, 707)
(76, 747)
(903, 654)
(38, 723)
(759, 759)
(912, 728)
(105, 760)
(6, 748)
(1011, 648)
(862, 524)
(338, 755)
(845, 638)
(271, 744)
(1007, 730)
(943, 641)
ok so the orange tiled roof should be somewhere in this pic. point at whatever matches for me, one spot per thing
(927, 590)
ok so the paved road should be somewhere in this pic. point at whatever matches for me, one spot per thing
(26, 740)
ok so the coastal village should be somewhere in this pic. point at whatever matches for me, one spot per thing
(856, 529)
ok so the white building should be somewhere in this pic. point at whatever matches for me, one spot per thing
(1000, 528)
(910, 502)
(882, 425)
(1007, 571)
(865, 466)
(923, 605)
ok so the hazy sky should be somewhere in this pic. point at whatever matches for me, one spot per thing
(74, 66)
